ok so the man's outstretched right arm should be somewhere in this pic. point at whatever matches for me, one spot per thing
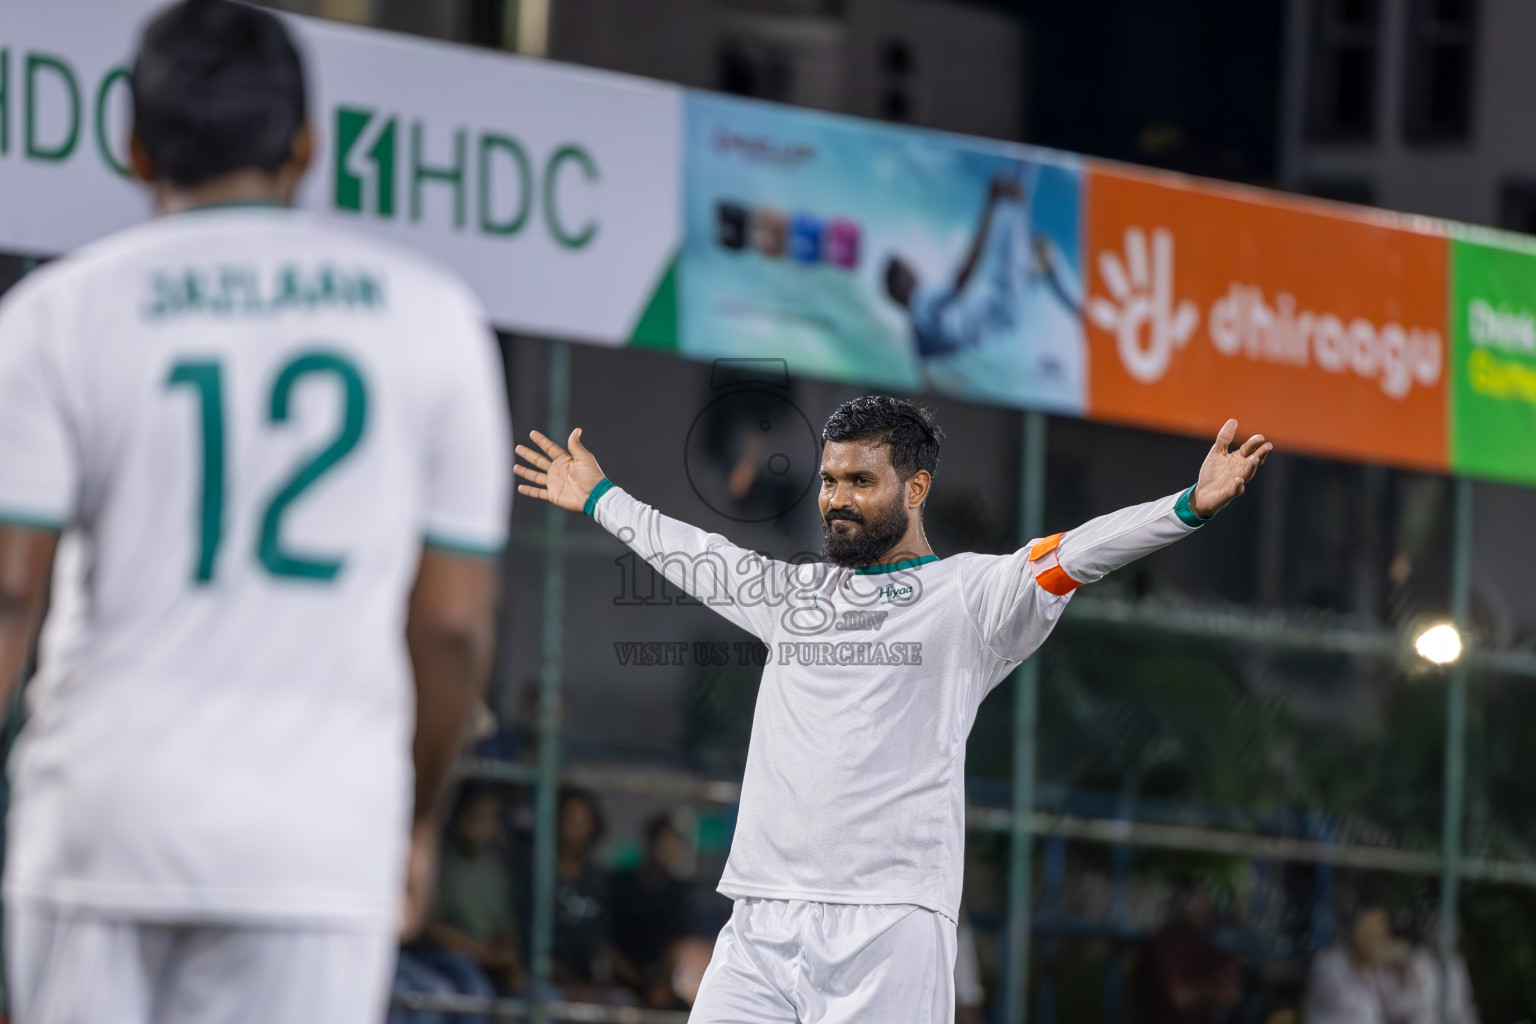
(739, 584)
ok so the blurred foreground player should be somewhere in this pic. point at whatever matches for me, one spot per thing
(282, 451)
(845, 866)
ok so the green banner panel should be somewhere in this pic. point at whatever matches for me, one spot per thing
(1493, 362)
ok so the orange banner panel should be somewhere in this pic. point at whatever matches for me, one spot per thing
(1321, 329)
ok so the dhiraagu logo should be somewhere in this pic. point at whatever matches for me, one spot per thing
(388, 166)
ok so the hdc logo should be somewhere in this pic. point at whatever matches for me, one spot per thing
(365, 162)
(385, 164)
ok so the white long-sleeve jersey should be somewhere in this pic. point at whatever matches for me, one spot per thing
(855, 779)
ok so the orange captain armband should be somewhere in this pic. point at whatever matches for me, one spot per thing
(1053, 580)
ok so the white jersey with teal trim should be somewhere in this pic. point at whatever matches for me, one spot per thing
(855, 781)
(247, 422)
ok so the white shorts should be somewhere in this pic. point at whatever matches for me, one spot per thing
(72, 967)
(797, 962)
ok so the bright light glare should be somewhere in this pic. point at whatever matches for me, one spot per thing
(1440, 644)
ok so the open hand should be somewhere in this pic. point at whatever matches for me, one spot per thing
(1225, 473)
(560, 477)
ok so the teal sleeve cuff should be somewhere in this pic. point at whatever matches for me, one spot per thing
(597, 492)
(27, 520)
(1186, 512)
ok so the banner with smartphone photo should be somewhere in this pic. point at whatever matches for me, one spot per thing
(884, 255)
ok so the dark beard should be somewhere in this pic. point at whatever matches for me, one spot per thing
(862, 547)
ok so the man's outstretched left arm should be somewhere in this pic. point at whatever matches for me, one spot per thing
(1017, 599)
(1100, 546)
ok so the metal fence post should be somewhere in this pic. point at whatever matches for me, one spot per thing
(551, 668)
(1454, 800)
(1026, 697)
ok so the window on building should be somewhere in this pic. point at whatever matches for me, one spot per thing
(1517, 206)
(1438, 91)
(1341, 87)
(485, 23)
(1343, 190)
(898, 68)
(747, 65)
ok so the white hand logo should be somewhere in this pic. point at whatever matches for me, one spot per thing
(1142, 291)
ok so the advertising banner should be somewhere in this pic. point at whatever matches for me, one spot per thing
(552, 190)
(884, 255)
(1493, 360)
(1323, 329)
(611, 210)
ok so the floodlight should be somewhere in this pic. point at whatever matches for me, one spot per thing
(1440, 644)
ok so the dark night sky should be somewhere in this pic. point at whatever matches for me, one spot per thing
(1190, 85)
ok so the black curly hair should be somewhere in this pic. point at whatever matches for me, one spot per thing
(905, 428)
(217, 87)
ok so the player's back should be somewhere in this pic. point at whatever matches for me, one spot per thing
(251, 421)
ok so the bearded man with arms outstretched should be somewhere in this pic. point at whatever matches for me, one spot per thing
(847, 857)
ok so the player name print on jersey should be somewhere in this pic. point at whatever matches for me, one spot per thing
(244, 290)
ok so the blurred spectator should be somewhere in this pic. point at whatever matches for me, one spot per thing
(1183, 977)
(472, 915)
(649, 907)
(415, 976)
(1460, 1007)
(581, 899)
(1371, 977)
(467, 940)
(496, 740)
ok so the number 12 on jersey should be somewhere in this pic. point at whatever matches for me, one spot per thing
(205, 378)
